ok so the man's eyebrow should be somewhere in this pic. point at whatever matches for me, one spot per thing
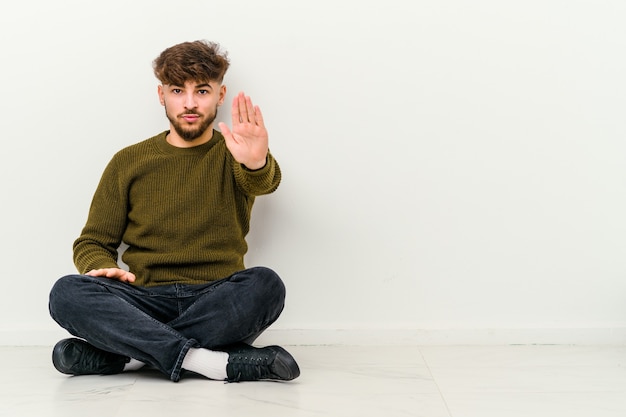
(203, 85)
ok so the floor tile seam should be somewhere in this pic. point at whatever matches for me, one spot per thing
(439, 391)
(127, 397)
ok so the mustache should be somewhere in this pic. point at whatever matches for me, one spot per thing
(195, 113)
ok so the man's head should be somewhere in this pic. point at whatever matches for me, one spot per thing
(191, 89)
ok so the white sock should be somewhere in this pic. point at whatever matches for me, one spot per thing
(133, 365)
(209, 363)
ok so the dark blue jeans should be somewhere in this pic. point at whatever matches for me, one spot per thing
(158, 325)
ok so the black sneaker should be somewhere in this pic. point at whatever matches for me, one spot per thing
(77, 357)
(247, 363)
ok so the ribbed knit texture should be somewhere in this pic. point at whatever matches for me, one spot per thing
(183, 212)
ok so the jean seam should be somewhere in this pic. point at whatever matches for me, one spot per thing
(175, 375)
(197, 297)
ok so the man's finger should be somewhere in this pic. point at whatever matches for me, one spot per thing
(250, 109)
(259, 117)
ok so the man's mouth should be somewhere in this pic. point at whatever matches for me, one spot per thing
(190, 118)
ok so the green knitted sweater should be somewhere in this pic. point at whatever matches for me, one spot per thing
(183, 212)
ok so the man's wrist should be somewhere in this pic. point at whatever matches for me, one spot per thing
(256, 166)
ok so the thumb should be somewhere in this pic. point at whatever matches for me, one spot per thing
(225, 130)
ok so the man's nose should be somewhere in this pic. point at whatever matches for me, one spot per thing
(190, 101)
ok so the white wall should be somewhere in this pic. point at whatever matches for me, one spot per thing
(449, 166)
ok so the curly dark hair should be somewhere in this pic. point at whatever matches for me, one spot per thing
(201, 61)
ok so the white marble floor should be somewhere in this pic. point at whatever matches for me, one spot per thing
(359, 381)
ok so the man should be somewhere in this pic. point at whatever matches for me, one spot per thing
(181, 203)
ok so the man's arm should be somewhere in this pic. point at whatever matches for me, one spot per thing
(95, 250)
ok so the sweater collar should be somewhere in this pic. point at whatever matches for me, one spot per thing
(166, 148)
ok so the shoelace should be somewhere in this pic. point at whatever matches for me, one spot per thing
(94, 360)
(258, 369)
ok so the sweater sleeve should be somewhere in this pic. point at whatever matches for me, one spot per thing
(258, 182)
(101, 236)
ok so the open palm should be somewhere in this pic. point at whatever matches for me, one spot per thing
(248, 139)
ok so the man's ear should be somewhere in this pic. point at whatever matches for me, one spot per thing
(161, 97)
(222, 95)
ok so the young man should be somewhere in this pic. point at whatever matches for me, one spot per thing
(181, 202)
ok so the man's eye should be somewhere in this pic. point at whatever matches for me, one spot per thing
(202, 92)
(176, 90)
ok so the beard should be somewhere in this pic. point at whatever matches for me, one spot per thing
(186, 132)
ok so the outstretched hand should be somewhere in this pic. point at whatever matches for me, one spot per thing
(113, 273)
(248, 140)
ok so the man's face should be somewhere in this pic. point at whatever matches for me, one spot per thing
(191, 108)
